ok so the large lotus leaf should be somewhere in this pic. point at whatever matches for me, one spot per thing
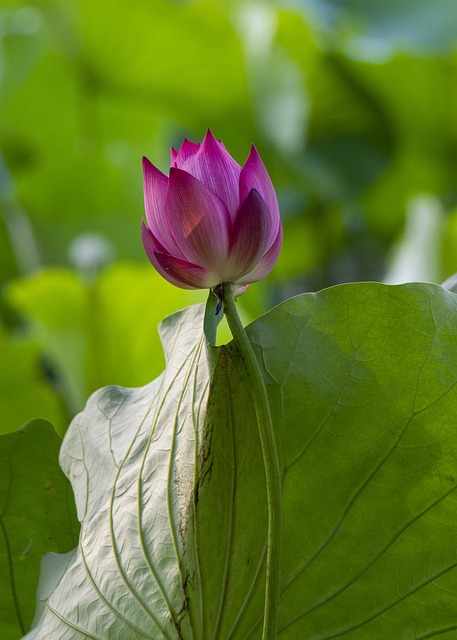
(170, 484)
(37, 516)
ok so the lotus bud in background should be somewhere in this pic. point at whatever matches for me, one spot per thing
(211, 221)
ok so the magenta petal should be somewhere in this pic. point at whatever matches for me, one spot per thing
(211, 221)
(217, 170)
(189, 276)
(155, 192)
(255, 176)
(151, 246)
(186, 150)
(266, 263)
(163, 263)
(250, 237)
(150, 242)
(238, 290)
(199, 221)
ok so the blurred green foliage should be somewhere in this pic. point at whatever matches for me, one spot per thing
(95, 334)
(351, 104)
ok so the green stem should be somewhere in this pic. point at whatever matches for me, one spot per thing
(270, 461)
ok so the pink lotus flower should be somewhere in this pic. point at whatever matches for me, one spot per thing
(211, 221)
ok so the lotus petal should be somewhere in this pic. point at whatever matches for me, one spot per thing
(266, 263)
(189, 275)
(186, 150)
(217, 170)
(255, 176)
(152, 246)
(250, 237)
(199, 221)
(155, 192)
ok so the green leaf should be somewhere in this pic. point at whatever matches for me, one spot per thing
(170, 484)
(24, 391)
(36, 516)
(366, 378)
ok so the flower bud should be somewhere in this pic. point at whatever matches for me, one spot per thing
(211, 221)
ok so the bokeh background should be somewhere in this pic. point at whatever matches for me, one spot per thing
(352, 104)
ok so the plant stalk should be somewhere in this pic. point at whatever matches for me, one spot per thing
(270, 461)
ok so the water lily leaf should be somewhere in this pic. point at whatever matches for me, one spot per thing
(170, 485)
(37, 516)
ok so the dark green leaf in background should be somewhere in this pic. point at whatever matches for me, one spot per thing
(37, 516)
(24, 390)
